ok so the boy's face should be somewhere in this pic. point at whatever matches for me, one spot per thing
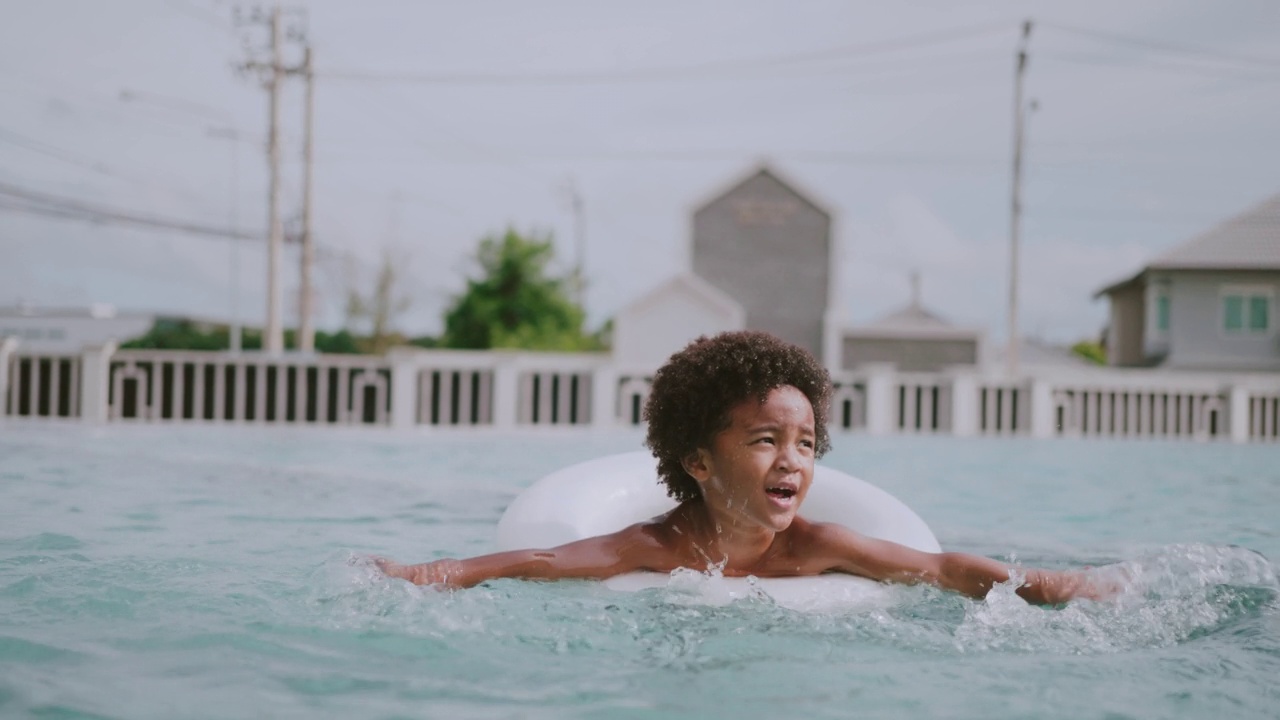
(758, 470)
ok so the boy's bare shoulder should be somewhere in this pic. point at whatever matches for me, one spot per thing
(807, 531)
(821, 541)
(650, 538)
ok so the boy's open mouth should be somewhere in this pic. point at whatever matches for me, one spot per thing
(781, 492)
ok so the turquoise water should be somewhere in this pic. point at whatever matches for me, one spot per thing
(216, 572)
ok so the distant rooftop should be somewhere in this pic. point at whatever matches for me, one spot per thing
(1248, 241)
(912, 320)
(95, 310)
(1033, 351)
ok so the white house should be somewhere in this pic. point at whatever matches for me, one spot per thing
(650, 329)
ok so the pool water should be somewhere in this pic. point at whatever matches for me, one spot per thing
(197, 572)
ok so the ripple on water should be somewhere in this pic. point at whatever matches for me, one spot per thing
(18, 650)
(43, 542)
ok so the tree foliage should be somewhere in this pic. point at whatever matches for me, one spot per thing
(1091, 350)
(515, 303)
(183, 334)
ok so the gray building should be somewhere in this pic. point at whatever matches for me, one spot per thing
(1209, 303)
(768, 248)
(70, 329)
(912, 338)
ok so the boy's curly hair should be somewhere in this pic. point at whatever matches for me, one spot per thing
(694, 391)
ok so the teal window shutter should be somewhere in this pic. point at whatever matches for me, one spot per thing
(1233, 312)
(1258, 319)
(1162, 312)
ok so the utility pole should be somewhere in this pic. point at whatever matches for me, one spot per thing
(273, 72)
(306, 327)
(273, 342)
(1019, 118)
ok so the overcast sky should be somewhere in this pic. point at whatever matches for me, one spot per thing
(440, 122)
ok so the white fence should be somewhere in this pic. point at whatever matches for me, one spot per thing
(421, 388)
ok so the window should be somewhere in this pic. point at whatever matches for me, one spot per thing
(1162, 313)
(1246, 310)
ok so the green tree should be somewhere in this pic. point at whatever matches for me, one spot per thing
(183, 334)
(515, 303)
(1091, 350)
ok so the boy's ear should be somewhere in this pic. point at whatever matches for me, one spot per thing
(698, 465)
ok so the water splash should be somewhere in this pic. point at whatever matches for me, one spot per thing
(1168, 596)
(687, 586)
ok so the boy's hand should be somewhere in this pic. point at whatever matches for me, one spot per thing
(1102, 584)
(1088, 584)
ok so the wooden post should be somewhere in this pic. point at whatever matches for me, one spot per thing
(964, 404)
(7, 347)
(95, 369)
(1238, 414)
(881, 405)
(604, 396)
(404, 388)
(1043, 415)
(506, 390)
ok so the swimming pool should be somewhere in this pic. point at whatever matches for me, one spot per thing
(174, 572)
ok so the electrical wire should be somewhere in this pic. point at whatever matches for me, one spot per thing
(713, 69)
(24, 200)
(1163, 45)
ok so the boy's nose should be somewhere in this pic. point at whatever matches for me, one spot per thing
(788, 457)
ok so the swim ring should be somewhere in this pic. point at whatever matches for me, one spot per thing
(609, 493)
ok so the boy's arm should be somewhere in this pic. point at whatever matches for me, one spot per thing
(598, 557)
(969, 574)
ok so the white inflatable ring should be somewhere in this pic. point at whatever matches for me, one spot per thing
(607, 494)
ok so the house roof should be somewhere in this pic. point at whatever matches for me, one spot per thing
(912, 316)
(770, 171)
(913, 321)
(704, 290)
(1248, 241)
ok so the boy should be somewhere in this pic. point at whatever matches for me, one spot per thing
(736, 422)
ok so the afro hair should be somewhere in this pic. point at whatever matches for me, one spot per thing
(695, 390)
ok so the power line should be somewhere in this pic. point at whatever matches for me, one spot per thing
(168, 185)
(1163, 45)
(836, 157)
(24, 200)
(715, 68)
(47, 150)
(1172, 65)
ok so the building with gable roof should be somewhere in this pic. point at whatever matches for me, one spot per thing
(912, 338)
(760, 258)
(1209, 303)
(769, 247)
(670, 316)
